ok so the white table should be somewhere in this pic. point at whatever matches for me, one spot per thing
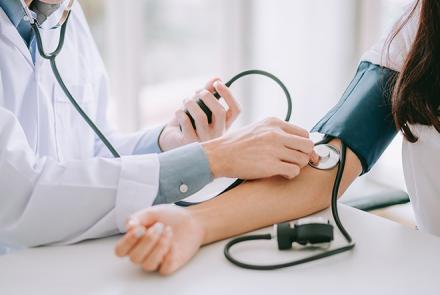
(388, 259)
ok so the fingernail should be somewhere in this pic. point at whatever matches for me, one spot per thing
(133, 222)
(216, 83)
(314, 158)
(158, 228)
(139, 232)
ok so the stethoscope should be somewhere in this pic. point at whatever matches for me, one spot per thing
(305, 233)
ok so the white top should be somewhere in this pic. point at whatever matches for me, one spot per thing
(421, 160)
(56, 184)
(421, 164)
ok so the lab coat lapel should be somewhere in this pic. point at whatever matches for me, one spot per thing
(9, 32)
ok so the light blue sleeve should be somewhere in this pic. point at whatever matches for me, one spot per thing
(183, 171)
(149, 142)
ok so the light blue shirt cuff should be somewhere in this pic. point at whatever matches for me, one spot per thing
(149, 142)
(183, 172)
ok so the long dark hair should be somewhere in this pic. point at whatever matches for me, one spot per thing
(416, 95)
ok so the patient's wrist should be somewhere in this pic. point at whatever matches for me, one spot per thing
(199, 216)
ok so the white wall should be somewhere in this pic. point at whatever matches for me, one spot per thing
(311, 46)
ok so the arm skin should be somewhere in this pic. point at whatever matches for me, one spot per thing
(256, 204)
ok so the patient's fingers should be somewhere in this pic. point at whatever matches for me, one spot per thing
(155, 258)
(129, 240)
(147, 243)
(146, 217)
(168, 265)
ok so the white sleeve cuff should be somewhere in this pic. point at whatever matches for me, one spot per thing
(138, 186)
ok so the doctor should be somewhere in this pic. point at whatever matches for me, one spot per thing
(59, 183)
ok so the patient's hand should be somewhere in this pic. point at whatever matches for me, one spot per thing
(179, 131)
(161, 239)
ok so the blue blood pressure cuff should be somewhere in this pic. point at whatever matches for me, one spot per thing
(362, 119)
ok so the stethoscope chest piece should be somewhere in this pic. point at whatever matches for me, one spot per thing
(329, 157)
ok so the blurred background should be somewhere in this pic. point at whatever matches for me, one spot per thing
(159, 52)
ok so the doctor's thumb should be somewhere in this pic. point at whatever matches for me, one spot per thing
(314, 157)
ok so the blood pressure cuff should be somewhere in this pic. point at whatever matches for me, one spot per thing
(362, 119)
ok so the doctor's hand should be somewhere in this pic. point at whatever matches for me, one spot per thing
(179, 130)
(269, 148)
(161, 239)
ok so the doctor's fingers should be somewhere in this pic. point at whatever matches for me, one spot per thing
(210, 84)
(288, 170)
(129, 240)
(200, 119)
(234, 107)
(294, 157)
(187, 129)
(147, 243)
(286, 127)
(155, 258)
(218, 111)
(296, 142)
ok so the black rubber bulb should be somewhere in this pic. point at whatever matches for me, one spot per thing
(205, 109)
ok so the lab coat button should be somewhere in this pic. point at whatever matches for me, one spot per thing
(183, 188)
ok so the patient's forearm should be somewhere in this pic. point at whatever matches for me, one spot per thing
(256, 204)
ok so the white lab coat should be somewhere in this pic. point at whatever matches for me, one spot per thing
(58, 183)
